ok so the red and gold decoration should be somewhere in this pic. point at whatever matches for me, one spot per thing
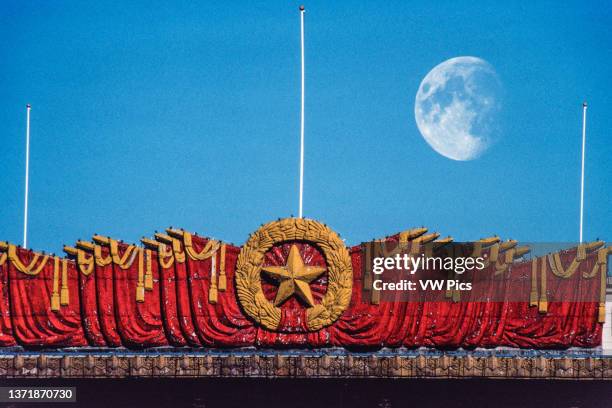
(294, 277)
(294, 283)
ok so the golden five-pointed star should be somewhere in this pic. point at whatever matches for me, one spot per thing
(294, 278)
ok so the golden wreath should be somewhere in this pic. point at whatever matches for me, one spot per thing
(340, 272)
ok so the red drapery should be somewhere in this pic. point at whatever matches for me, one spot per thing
(181, 293)
(44, 301)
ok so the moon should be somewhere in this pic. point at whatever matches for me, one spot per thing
(456, 107)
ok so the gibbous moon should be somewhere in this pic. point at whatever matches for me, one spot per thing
(456, 107)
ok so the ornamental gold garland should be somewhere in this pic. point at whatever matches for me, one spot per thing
(250, 261)
(166, 258)
(209, 250)
(86, 265)
(129, 255)
(30, 269)
(100, 259)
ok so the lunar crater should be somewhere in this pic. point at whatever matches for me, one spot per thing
(457, 106)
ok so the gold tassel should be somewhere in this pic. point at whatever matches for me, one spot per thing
(543, 306)
(428, 249)
(377, 251)
(375, 297)
(449, 292)
(533, 296)
(456, 295)
(367, 267)
(212, 292)
(179, 254)
(601, 318)
(148, 281)
(222, 277)
(64, 294)
(494, 253)
(581, 252)
(140, 290)
(55, 298)
(602, 295)
(140, 293)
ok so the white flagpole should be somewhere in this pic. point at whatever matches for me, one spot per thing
(27, 172)
(584, 110)
(302, 10)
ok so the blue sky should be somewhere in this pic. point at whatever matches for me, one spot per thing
(158, 113)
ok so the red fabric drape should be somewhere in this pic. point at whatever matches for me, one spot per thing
(89, 307)
(139, 323)
(220, 324)
(107, 311)
(6, 330)
(104, 308)
(568, 323)
(168, 300)
(34, 324)
(183, 303)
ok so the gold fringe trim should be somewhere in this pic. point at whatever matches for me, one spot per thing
(64, 294)
(55, 297)
(140, 289)
(533, 295)
(212, 291)
(543, 304)
(29, 269)
(222, 276)
(148, 279)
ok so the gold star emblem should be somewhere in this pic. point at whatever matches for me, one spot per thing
(294, 278)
